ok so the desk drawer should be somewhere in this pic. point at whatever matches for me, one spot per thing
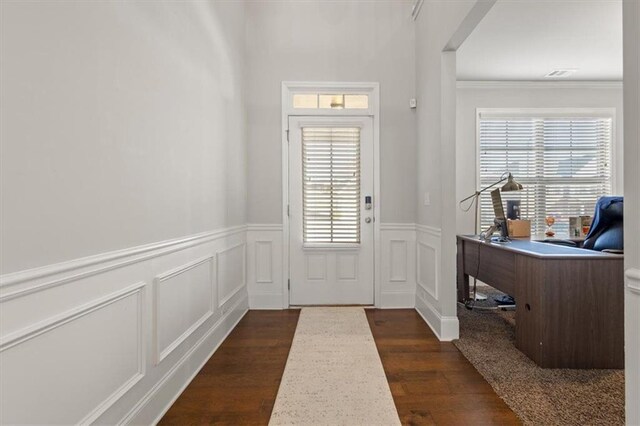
(496, 267)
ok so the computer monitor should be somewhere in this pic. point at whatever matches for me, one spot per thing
(500, 221)
(498, 209)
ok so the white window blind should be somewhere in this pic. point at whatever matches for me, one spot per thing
(331, 184)
(562, 162)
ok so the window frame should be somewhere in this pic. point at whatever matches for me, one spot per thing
(543, 113)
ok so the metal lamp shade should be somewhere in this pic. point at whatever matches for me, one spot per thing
(511, 185)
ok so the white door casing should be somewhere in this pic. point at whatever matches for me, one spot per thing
(334, 265)
(289, 90)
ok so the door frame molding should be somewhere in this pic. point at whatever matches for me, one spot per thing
(289, 88)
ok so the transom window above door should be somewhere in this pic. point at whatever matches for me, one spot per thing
(330, 101)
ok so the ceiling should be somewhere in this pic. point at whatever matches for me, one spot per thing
(527, 39)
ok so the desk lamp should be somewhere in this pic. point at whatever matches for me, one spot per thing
(511, 185)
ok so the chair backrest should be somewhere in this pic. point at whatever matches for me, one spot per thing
(606, 231)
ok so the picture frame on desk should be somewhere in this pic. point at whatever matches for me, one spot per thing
(579, 226)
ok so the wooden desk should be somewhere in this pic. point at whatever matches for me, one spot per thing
(569, 301)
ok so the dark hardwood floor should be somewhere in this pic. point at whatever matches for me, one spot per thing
(239, 383)
(431, 381)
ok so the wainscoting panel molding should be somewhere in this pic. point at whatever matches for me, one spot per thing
(231, 272)
(38, 279)
(264, 262)
(428, 268)
(429, 280)
(409, 268)
(266, 284)
(398, 265)
(428, 259)
(183, 299)
(264, 266)
(80, 331)
(398, 255)
(98, 346)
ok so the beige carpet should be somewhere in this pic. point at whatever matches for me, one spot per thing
(334, 375)
(538, 396)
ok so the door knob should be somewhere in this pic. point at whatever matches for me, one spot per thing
(367, 220)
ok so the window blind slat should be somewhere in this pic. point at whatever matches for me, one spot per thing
(562, 162)
(331, 185)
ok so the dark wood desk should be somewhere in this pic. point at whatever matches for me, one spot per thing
(569, 301)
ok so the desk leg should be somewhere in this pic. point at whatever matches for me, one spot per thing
(462, 278)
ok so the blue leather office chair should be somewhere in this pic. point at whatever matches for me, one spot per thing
(606, 233)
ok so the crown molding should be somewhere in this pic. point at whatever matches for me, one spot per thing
(522, 84)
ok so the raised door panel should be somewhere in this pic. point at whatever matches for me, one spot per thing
(346, 267)
(316, 269)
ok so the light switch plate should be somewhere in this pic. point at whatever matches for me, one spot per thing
(413, 103)
(427, 199)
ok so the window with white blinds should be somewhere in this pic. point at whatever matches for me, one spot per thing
(564, 164)
(331, 184)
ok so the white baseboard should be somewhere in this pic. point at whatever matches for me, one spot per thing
(162, 396)
(446, 329)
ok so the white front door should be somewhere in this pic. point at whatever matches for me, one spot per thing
(331, 238)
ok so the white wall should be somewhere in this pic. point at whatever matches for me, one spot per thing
(435, 82)
(331, 41)
(631, 25)
(473, 95)
(122, 124)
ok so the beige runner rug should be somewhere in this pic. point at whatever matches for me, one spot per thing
(334, 375)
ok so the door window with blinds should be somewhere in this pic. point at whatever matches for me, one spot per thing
(331, 185)
(562, 161)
